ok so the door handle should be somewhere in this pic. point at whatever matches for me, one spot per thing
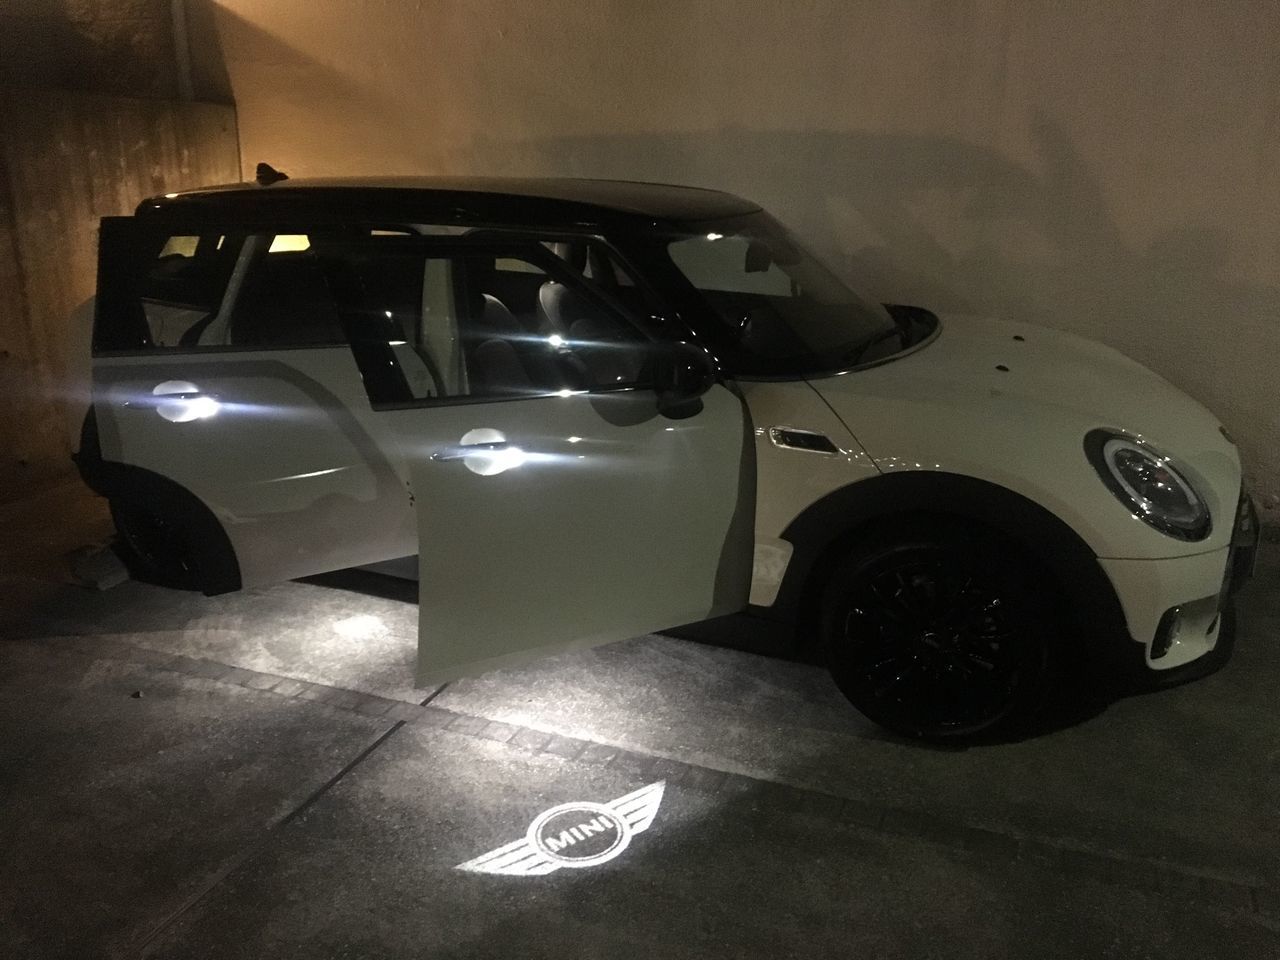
(179, 402)
(464, 450)
(483, 451)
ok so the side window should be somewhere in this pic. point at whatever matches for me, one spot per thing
(284, 299)
(726, 264)
(483, 323)
(202, 290)
(183, 285)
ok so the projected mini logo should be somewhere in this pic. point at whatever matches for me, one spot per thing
(580, 834)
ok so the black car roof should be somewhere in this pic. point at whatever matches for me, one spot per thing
(492, 200)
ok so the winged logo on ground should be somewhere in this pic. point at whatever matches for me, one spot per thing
(578, 834)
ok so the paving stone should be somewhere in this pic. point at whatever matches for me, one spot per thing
(1267, 902)
(530, 739)
(1037, 851)
(467, 724)
(146, 655)
(862, 813)
(820, 805)
(1224, 893)
(925, 827)
(372, 706)
(672, 771)
(260, 681)
(990, 843)
(597, 753)
(566, 747)
(501, 732)
(408, 712)
(1176, 882)
(209, 670)
(635, 764)
(184, 664)
(1084, 863)
(734, 785)
(1134, 874)
(312, 691)
(342, 699)
(177, 662)
(433, 717)
(703, 779)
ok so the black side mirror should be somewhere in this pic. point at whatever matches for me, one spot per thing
(682, 373)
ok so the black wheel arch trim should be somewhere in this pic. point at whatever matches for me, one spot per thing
(824, 530)
(216, 567)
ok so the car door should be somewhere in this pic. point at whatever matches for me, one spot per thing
(228, 400)
(561, 501)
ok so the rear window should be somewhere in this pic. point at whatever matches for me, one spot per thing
(190, 290)
(184, 283)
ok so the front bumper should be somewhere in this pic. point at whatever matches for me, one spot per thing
(1173, 607)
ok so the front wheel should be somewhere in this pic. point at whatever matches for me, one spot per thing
(938, 633)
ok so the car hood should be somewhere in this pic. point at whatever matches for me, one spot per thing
(1012, 402)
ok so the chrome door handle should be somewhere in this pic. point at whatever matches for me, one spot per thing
(484, 451)
(178, 402)
(464, 450)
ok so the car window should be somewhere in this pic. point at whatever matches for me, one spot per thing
(775, 309)
(481, 323)
(723, 265)
(284, 299)
(184, 283)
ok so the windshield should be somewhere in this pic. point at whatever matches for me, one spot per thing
(781, 312)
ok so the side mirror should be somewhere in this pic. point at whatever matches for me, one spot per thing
(682, 373)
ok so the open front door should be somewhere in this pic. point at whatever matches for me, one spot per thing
(562, 522)
(559, 502)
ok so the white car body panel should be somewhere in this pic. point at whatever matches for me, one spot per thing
(597, 520)
(789, 480)
(1147, 588)
(947, 408)
(297, 468)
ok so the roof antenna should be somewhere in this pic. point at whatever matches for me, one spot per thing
(266, 175)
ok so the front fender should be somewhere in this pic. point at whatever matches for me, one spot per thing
(829, 527)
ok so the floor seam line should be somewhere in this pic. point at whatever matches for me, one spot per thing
(143, 945)
(473, 726)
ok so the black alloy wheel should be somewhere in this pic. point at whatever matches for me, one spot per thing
(937, 635)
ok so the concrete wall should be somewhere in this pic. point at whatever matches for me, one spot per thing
(66, 159)
(1110, 168)
(94, 116)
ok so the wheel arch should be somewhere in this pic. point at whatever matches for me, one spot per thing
(829, 527)
(216, 566)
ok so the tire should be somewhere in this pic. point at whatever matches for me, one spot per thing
(154, 550)
(939, 632)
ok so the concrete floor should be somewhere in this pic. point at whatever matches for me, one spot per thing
(253, 776)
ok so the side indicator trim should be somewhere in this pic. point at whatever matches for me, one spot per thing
(806, 441)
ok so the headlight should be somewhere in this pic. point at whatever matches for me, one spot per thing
(1146, 481)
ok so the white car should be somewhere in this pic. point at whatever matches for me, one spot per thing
(597, 409)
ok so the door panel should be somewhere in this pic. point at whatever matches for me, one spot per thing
(274, 443)
(220, 364)
(568, 521)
